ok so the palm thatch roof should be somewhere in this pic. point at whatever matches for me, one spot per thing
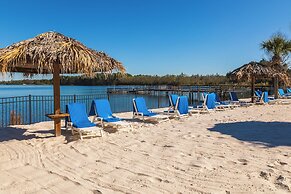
(41, 53)
(111, 63)
(261, 69)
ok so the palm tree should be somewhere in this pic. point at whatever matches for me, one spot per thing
(278, 47)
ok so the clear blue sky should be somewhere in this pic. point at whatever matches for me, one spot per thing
(155, 36)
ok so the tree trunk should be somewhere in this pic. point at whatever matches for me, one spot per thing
(253, 89)
(276, 87)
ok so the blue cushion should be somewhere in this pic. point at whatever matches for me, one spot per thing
(142, 108)
(183, 107)
(103, 108)
(210, 101)
(217, 99)
(233, 96)
(78, 115)
(281, 91)
(174, 98)
(80, 124)
(265, 97)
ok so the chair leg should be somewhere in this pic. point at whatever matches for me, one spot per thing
(80, 133)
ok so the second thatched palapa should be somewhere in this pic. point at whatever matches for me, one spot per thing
(52, 52)
(259, 70)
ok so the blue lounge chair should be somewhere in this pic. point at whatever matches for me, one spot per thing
(172, 102)
(140, 110)
(289, 90)
(265, 99)
(79, 122)
(259, 95)
(282, 94)
(201, 108)
(211, 103)
(182, 107)
(234, 100)
(233, 97)
(100, 109)
(225, 104)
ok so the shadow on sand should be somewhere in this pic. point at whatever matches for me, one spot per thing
(14, 133)
(270, 134)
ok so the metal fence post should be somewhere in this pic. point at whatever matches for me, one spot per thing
(74, 98)
(29, 109)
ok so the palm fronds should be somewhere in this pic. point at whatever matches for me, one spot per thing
(278, 47)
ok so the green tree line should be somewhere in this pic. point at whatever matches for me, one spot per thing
(128, 79)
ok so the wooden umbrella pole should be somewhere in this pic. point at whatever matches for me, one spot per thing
(253, 89)
(57, 105)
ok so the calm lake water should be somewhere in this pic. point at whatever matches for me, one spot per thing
(25, 90)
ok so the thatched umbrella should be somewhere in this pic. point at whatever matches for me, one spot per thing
(55, 53)
(263, 69)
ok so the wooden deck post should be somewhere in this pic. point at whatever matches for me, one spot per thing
(57, 104)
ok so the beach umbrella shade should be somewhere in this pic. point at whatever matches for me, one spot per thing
(253, 70)
(54, 53)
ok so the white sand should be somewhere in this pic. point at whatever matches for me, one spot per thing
(235, 151)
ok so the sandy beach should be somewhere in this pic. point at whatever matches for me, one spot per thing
(245, 150)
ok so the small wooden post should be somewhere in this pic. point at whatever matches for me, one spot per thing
(57, 104)
(253, 89)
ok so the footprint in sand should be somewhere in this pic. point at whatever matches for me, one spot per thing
(243, 161)
(282, 163)
(97, 192)
(280, 183)
(157, 179)
(265, 175)
(195, 166)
